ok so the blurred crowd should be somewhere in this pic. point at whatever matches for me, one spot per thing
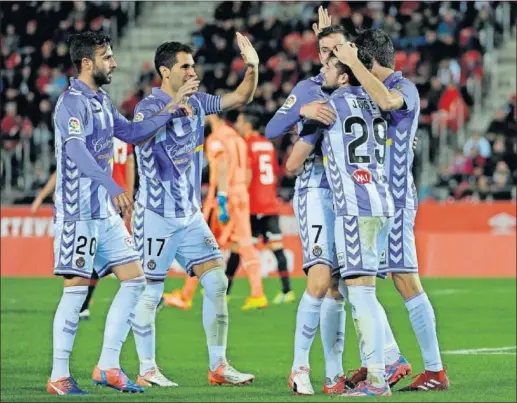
(439, 45)
(35, 68)
(485, 169)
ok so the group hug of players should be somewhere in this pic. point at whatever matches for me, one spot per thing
(355, 203)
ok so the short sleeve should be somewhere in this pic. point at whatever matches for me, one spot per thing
(71, 118)
(409, 93)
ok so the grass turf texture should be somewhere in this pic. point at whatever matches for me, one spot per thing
(471, 314)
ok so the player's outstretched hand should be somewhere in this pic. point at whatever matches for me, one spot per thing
(324, 20)
(347, 53)
(248, 52)
(124, 203)
(319, 111)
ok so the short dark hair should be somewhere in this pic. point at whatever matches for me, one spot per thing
(364, 57)
(165, 54)
(333, 29)
(251, 119)
(379, 45)
(85, 44)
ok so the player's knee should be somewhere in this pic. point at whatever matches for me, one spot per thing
(276, 245)
(249, 255)
(214, 282)
(318, 280)
(407, 284)
(75, 281)
(128, 271)
(333, 290)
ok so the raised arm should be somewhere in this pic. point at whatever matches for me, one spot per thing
(244, 93)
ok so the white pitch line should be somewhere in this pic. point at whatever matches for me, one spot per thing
(493, 351)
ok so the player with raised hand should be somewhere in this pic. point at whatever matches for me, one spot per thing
(315, 215)
(88, 229)
(399, 97)
(354, 148)
(168, 223)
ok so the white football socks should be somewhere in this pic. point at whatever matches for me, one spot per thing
(421, 315)
(370, 331)
(118, 321)
(66, 323)
(307, 319)
(332, 329)
(144, 326)
(215, 315)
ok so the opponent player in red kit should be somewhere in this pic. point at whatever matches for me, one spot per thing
(264, 203)
(123, 174)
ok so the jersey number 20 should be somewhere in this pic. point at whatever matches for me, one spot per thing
(380, 129)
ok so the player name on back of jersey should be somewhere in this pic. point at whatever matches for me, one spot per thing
(364, 103)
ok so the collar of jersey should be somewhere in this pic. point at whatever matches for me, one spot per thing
(87, 91)
(392, 77)
(158, 93)
(349, 90)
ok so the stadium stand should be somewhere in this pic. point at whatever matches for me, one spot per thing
(448, 49)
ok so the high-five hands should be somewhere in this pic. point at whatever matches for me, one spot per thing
(324, 21)
(248, 52)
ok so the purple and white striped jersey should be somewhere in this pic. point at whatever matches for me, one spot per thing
(170, 164)
(306, 91)
(82, 114)
(402, 127)
(355, 150)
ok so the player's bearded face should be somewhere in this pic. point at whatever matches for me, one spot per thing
(330, 76)
(103, 66)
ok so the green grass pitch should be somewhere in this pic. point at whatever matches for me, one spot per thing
(472, 314)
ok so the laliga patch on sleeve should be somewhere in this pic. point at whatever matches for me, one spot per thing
(138, 117)
(289, 102)
(74, 127)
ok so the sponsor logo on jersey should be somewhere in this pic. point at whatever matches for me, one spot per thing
(362, 176)
(74, 127)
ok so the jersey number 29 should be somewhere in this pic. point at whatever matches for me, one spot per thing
(380, 129)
